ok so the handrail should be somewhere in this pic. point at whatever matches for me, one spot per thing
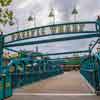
(94, 44)
(12, 50)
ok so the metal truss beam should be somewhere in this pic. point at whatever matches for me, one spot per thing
(70, 52)
(53, 40)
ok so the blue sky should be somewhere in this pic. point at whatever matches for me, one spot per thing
(87, 10)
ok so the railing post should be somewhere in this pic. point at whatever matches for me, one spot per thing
(98, 91)
(97, 75)
(1, 50)
(98, 24)
(5, 75)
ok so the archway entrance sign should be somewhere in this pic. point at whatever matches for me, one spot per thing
(71, 31)
(79, 30)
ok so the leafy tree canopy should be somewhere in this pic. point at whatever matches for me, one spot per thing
(5, 14)
(5, 3)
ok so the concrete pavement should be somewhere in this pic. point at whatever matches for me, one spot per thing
(54, 97)
(68, 86)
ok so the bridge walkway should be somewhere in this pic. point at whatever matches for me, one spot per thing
(70, 86)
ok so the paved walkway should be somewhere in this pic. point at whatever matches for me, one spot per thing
(54, 98)
(70, 86)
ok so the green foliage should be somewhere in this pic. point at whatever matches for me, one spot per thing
(75, 61)
(22, 54)
(4, 3)
(9, 14)
(69, 61)
(5, 14)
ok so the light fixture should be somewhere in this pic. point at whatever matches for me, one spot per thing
(30, 18)
(11, 23)
(74, 12)
(52, 15)
(14, 21)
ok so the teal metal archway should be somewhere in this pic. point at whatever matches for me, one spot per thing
(77, 30)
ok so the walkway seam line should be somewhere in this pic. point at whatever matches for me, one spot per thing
(54, 94)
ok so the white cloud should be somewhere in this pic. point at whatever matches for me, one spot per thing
(24, 4)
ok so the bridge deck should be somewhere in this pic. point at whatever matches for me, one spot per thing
(62, 85)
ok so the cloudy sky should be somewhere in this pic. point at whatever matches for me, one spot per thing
(87, 10)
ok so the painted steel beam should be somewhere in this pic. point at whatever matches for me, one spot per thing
(70, 52)
(44, 33)
(12, 50)
(54, 25)
(53, 40)
(54, 34)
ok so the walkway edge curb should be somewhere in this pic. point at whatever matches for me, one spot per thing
(92, 89)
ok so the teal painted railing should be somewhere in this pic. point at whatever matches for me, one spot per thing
(90, 69)
(25, 71)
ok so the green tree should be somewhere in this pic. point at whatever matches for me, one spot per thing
(5, 14)
(75, 55)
